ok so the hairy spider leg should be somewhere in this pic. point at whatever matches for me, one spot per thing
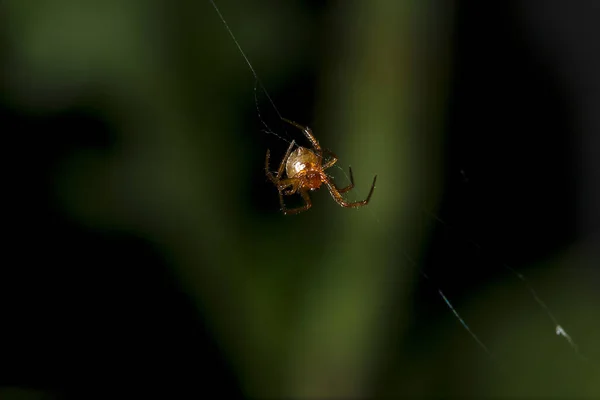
(309, 135)
(274, 179)
(295, 185)
(277, 181)
(335, 193)
(306, 206)
(283, 184)
(350, 186)
(332, 159)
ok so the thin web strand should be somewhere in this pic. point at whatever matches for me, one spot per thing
(559, 330)
(456, 314)
(439, 291)
(257, 81)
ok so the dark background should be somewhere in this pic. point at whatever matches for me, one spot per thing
(144, 251)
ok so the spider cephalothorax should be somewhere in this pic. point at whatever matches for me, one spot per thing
(305, 171)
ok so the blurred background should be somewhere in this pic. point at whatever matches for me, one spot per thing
(145, 252)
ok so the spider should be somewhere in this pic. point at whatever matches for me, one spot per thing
(305, 172)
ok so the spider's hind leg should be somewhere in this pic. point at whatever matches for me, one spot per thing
(306, 206)
(293, 185)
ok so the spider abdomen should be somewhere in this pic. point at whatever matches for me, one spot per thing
(304, 164)
(300, 161)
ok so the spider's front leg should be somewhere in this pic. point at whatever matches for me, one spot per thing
(332, 159)
(309, 135)
(276, 178)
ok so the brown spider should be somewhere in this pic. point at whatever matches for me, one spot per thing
(305, 171)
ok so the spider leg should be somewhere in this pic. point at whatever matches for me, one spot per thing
(330, 164)
(270, 175)
(309, 135)
(287, 154)
(335, 193)
(306, 206)
(276, 179)
(351, 185)
(332, 160)
(285, 183)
